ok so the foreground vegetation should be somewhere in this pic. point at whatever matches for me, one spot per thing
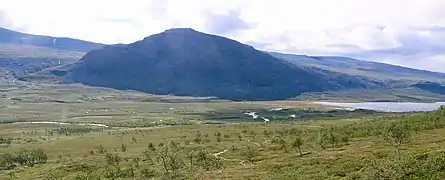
(208, 139)
(407, 147)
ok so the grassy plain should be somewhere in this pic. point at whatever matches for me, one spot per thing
(202, 138)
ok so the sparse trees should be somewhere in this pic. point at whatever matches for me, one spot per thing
(6, 140)
(7, 161)
(218, 134)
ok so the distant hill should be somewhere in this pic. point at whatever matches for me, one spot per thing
(191, 63)
(401, 83)
(356, 67)
(22, 54)
(12, 37)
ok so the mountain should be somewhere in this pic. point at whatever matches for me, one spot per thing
(356, 67)
(22, 54)
(188, 62)
(12, 37)
(402, 83)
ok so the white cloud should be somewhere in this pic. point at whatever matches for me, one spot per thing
(361, 28)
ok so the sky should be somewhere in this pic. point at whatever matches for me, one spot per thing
(410, 33)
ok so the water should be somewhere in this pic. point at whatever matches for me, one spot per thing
(388, 106)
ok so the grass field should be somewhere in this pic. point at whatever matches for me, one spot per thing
(201, 138)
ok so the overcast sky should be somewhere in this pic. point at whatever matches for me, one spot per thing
(403, 32)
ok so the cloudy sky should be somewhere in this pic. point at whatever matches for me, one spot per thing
(403, 32)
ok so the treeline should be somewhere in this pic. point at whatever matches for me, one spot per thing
(71, 131)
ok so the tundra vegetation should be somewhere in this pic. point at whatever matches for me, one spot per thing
(215, 140)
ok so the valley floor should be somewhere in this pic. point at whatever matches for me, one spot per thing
(165, 137)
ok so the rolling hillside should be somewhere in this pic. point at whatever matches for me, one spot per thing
(22, 54)
(12, 37)
(361, 68)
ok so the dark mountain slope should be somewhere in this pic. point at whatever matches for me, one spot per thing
(187, 62)
(12, 37)
(431, 87)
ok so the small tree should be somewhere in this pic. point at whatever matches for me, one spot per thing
(397, 134)
(113, 160)
(147, 173)
(333, 138)
(171, 160)
(280, 142)
(39, 156)
(151, 147)
(191, 159)
(218, 134)
(322, 138)
(251, 154)
(207, 161)
(123, 147)
(298, 142)
(101, 149)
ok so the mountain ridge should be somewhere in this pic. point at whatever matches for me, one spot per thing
(48, 64)
(188, 62)
(353, 66)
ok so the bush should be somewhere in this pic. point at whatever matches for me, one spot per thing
(410, 166)
(23, 158)
(6, 140)
(250, 154)
(208, 162)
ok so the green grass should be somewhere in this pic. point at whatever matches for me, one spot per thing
(76, 103)
(70, 156)
(335, 146)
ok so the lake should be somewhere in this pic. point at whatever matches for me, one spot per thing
(388, 106)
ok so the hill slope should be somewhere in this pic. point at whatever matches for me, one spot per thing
(362, 68)
(22, 54)
(187, 62)
(12, 37)
(17, 61)
(405, 84)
